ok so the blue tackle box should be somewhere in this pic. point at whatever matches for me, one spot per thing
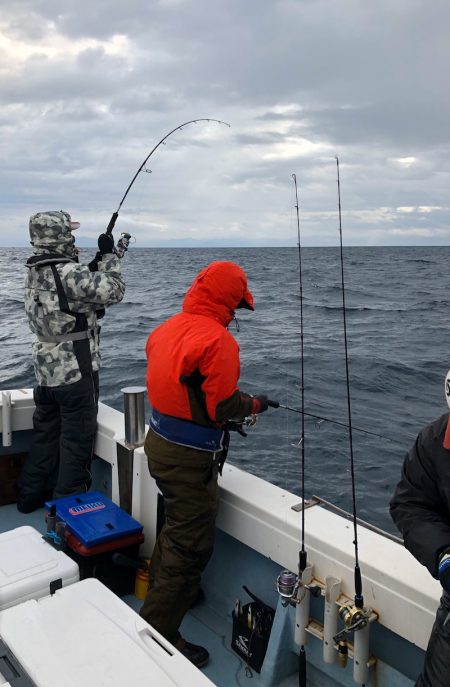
(94, 519)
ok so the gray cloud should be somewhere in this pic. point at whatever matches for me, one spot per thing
(89, 88)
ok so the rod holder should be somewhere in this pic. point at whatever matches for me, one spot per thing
(6, 418)
(133, 403)
(330, 618)
(361, 655)
(302, 608)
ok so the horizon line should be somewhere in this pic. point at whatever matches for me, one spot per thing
(211, 245)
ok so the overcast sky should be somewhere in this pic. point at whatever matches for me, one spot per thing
(88, 87)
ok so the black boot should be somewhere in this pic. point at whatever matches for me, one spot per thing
(28, 504)
(197, 655)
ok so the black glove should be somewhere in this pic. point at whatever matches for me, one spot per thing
(260, 403)
(105, 244)
(444, 570)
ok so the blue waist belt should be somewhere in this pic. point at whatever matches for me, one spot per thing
(186, 433)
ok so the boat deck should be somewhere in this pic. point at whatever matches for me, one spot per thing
(202, 625)
(257, 535)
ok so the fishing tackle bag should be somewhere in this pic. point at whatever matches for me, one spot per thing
(252, 624)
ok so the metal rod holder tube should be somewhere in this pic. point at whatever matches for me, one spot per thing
(6, 418)
(133, 401)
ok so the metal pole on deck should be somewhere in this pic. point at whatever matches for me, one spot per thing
(6, 418)
(133, 404)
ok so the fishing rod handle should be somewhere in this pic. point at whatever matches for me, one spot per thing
(112, 222)
(273, 404)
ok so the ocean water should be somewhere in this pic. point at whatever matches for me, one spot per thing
(398, 343)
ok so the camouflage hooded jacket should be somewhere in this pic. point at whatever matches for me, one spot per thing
(55, 363)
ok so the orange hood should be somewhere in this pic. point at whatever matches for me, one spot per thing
(217, 291)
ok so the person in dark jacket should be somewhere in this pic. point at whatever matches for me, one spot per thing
(192, 376)
(63, 302)
(420, 508)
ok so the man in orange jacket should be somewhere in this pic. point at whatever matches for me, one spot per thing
(192, 376)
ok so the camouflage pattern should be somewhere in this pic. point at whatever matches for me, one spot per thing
(52, 231)
(87, 292)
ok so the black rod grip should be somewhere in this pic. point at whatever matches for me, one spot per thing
(273, 404)
(112, 222)
(302, 560)
(359, 601)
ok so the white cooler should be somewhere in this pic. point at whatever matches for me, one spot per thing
(30, 567)
(86, 636)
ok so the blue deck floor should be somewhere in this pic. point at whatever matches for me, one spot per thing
(209, 623)
(201, 625)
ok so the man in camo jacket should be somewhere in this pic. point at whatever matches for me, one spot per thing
(63, 301)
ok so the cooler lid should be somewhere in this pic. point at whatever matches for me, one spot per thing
(85, 635)
(28, 562)
(93, 518)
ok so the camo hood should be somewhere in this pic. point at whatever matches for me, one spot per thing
(52, 231)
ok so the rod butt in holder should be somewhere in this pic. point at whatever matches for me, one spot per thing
(133, 402)
(330, 620)
(302, 607)
(361, 655)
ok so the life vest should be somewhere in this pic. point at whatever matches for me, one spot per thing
(81, 333)
(186, 433)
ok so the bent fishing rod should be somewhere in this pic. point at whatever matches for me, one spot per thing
(115, 214)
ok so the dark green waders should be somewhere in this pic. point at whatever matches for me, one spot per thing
(187, 479)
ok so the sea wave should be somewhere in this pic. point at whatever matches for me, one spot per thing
(397, 345)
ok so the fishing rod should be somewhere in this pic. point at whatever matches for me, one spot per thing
(355, 617)
(359, 601)
(115, 214)
(302, 564)
(294, 588)
(276, 404)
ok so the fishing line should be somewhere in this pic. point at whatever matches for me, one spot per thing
(142, 168)
(275, 404)
(359, 601)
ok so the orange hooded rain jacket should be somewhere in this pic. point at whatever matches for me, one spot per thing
(193, 360)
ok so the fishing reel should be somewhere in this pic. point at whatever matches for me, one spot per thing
(250, 421)
(289, 585)
(354, 619)
(123, 243)
(238, 427)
